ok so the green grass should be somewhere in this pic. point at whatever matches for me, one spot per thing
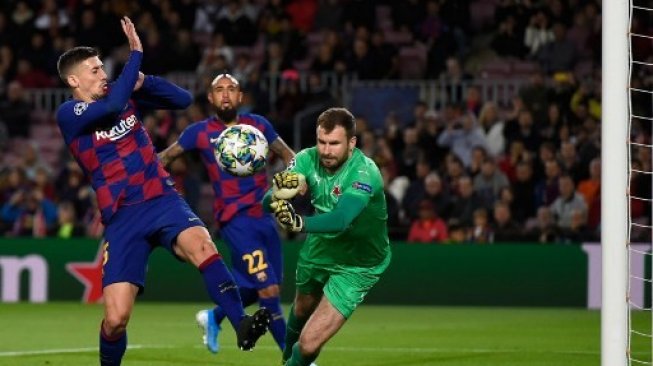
(165, 334)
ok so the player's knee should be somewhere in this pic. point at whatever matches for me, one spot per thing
(269, 292)
(116, 322)
(196, 252)
(309, 345)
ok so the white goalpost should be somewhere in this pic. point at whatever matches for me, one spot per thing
(614, 182)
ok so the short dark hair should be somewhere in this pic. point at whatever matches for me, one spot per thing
(72, 57)
(333, 117)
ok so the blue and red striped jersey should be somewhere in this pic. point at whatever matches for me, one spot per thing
(233, 195)
(110, 143)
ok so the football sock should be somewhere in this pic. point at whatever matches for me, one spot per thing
(112, 348)
(298, 359)
(222, 289)
(278, 324)
(293, 329)
(248, 297)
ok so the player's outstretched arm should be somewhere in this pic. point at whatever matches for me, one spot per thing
(76, 118)
(171, 153)
(158, 93)
(132, 36)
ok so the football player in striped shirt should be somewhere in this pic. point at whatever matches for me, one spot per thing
(249, 231)
(139, 205)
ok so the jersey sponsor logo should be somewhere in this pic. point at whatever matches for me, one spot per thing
(79, 108)
(362, 187)
(118, 131)
(213, 140)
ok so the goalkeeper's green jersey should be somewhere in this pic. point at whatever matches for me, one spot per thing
(365, 242)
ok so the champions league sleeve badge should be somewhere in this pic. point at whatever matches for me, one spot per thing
(79, 108)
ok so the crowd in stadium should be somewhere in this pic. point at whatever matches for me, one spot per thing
(476, 171)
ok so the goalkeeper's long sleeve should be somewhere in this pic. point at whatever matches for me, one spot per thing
(267, 199)
(347, 209)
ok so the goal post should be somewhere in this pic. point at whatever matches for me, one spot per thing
(614, 181)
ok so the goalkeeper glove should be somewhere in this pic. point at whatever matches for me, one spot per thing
(286, 185)
(286, 217)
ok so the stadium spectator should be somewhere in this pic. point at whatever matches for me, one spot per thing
(479, 155)
(428, 227)
(558, 55)
(543, 228)
(67, 224)
(505, 229)
(523, 129)
(590, 189)
(466, 202)
(15, 111)
(492, 128)
(577, 232)
(217, 47)
(480, 231)
(508, 42)
(523, 189)
(433, 190)
(462, 136)
(410, 153)
(568, 202)
(29, 213)
(489, 183)
(236, 24)
(538, 33)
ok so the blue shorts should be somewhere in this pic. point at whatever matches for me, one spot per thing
(135, 230)
(255, 250)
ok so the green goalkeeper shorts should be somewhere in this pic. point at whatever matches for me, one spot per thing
(344, 286)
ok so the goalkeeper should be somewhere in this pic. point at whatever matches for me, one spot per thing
(347, 247)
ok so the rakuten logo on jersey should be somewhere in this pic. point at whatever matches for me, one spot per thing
(117, 131)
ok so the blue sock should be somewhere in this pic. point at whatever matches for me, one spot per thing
(248, 297)
(222, 289)
(112, 348)
(278, 324)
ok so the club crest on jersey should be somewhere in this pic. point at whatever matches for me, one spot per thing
(336, 191)
(79, 108)
(362, 187)
(261, 276)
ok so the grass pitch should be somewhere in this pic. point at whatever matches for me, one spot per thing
(165, 334)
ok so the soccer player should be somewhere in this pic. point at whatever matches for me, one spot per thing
(347, 247)
(139, 206)
(249, 232)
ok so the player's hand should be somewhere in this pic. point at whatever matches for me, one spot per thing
(130, 31)
(286, 185)
(286, 217)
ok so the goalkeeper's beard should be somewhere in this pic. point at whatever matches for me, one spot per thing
(226, 115)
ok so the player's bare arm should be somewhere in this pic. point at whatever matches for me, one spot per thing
(171, 153)
(279, 147)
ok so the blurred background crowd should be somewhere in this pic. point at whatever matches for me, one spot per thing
(478, 162)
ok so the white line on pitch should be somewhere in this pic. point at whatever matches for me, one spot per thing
(332, 348)
(71, 350)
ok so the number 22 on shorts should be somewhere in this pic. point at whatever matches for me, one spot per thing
(255, 261)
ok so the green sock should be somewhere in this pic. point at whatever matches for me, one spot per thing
(293, 329)
(297, 359)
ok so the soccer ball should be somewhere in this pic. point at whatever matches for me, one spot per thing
(241, 150)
